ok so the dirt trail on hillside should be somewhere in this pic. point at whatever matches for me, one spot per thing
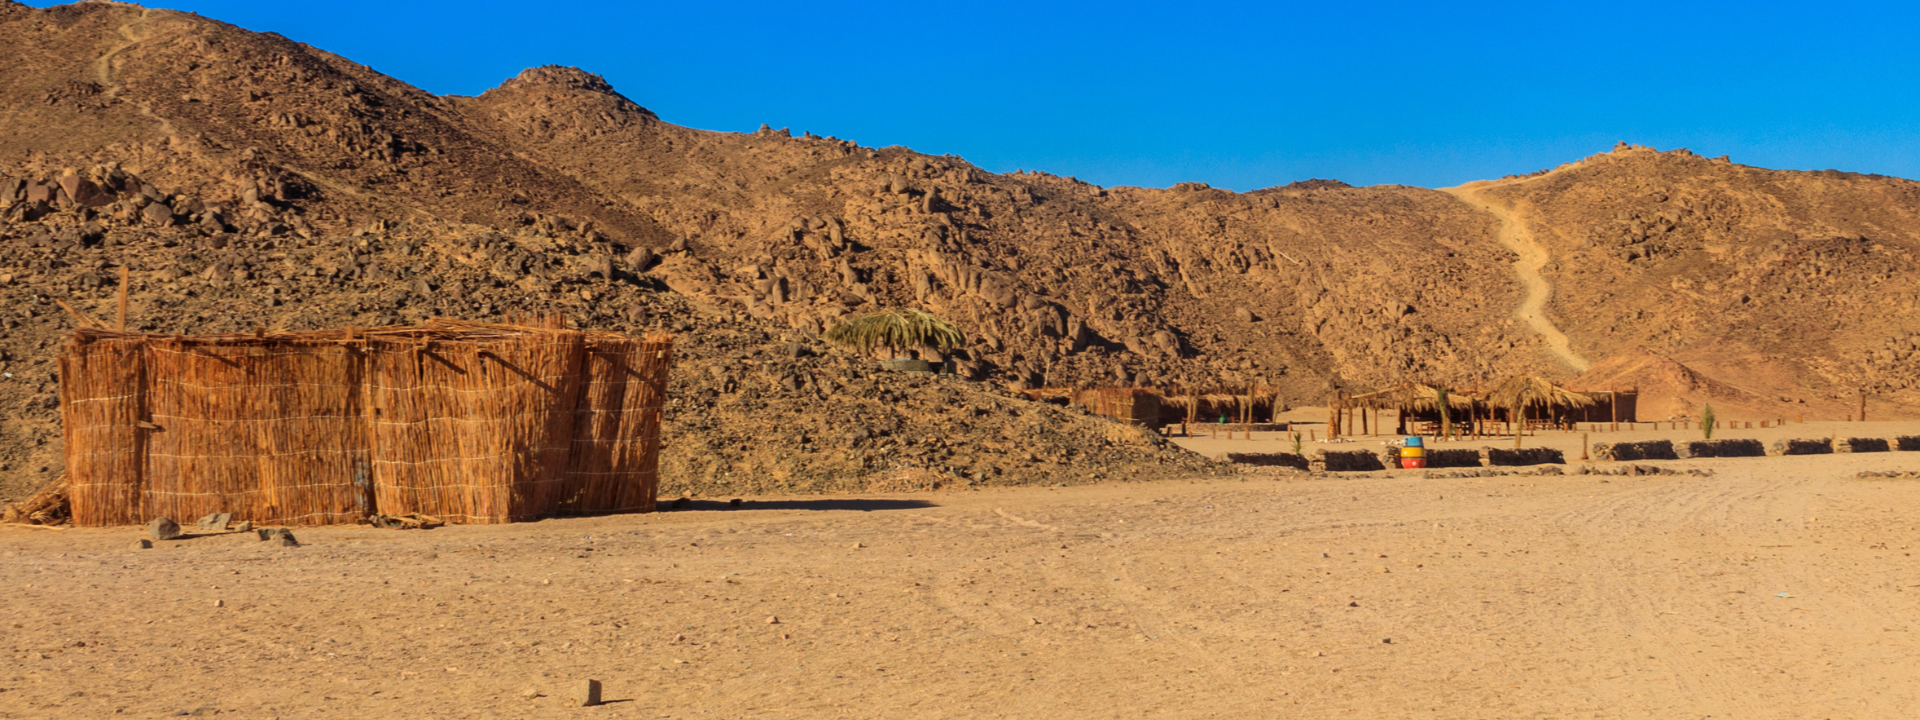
(135, 32)
(1515, 236)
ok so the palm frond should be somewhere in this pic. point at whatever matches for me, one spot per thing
(896, 329)
(1413, 396)
(1535, 391)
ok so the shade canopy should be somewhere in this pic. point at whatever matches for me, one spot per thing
(1413, 396)
(1524, 391)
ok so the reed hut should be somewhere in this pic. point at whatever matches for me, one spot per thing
(467, 422)
(1134, 406)
(1207, 405)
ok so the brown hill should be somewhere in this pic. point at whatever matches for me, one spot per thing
(251, 180)
(1798, 284)
(1670, 390)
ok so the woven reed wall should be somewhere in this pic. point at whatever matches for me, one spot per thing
(1130, 405)
(469, 422)
(102, 401)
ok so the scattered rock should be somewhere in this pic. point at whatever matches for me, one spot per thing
(163, 529)
(587, 693)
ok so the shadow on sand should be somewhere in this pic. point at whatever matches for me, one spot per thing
(683, 505)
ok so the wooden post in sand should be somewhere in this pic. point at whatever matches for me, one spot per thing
(1863, 404)
(1583, 446)
(123, 315)
(1333, 417)
(1351, 430)
(1247, 417)
(1613, 407)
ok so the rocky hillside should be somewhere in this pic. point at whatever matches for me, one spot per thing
(1797, 289)
(247, 179)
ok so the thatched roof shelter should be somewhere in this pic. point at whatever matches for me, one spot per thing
(1412, 396)
(467, 422)
(1529, 391)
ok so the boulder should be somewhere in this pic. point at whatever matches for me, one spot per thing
(158, 214)
(163, 529)
(641, 259)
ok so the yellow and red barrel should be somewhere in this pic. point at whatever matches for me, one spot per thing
(1413, 454)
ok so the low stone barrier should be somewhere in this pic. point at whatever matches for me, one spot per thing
(1453, 458)
(1636, 470)
(1907, 442)
(1860, 445)
(1649, 450)
(1456, 458)
(1816, 446)
(1523, 456)
(1744, 447)
(1888, 475)
(1345, 461)
(1269, 459)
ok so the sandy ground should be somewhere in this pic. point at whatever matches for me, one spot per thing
(1775, 588)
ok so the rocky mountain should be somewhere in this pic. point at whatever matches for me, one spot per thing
(246, 180)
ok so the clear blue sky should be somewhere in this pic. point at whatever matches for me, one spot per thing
(1239, 95)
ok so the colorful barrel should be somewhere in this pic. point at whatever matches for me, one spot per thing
(1413, 463)
(1413, 452)
(1414, 441)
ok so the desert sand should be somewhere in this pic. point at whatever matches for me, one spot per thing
(1775, 587)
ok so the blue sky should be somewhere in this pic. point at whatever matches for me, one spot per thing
(1238, 95)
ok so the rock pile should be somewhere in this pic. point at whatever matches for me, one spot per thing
(1647, 450)
(1523, 456)
(1861, 445)
(1731, 447)
(1344, 461)
(1815, 446)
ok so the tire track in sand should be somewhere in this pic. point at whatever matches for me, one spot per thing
(1513, 234)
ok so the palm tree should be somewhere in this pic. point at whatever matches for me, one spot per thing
(1523, 391)
(896, 330)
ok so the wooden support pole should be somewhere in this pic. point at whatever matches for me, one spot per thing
(1333, 417)
(123, 306)
(1613, 407)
